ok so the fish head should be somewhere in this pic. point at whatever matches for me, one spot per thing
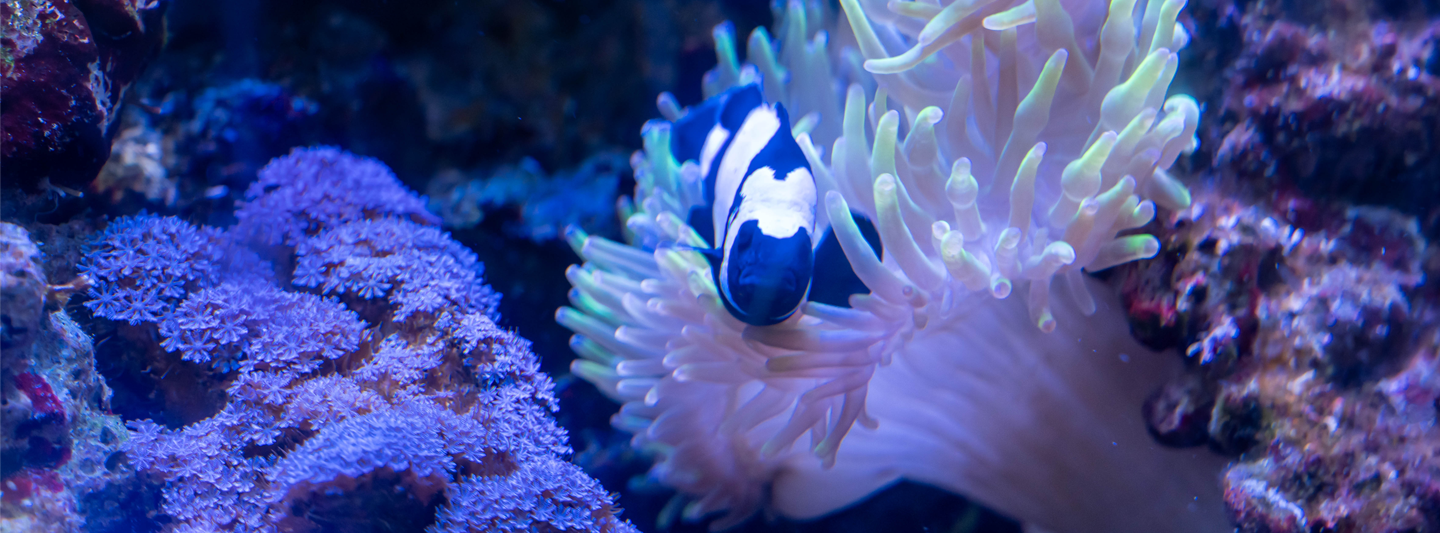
(766, 277)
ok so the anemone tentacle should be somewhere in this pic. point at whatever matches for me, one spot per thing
(997, 146)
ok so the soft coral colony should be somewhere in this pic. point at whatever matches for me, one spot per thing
(1002, 149)
(379, 377)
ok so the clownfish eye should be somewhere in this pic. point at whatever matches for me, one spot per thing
(768, 276)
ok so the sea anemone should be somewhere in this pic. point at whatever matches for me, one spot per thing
(1011, 147)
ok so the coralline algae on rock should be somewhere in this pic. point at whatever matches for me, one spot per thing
(1340, 100)
(1311, 358)
(1305, 317)
(65, 69)
(60, 442)
(22, 288)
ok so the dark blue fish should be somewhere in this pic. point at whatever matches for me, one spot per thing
(759, 212)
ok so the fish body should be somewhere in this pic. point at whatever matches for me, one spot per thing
(760, 197)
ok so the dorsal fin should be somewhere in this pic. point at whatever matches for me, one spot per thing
(782, 154)
(687, 135)
(739, 104)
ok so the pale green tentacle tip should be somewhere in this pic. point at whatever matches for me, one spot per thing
(885, 190)
(1168, 192)
(1124, 250)
(669, 107)
(701, 284)
(962, 188)
(1184, 104)
(575, 237)
(724, 35)
(1000, 287)
(1121, 6)
(1081, 178)
(1128, 98)
(727, 72)
(893, 65)
(835, 202)
(826, 452)
(1057, 254)
(594, 372)
(805, 125)
(761, 52)
(655, 131)
(886, 137)
(930, 115)
(655, 137)
(624, 207)
(1016, 16)
(914, 9)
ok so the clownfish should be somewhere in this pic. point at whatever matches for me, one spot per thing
(759, 209)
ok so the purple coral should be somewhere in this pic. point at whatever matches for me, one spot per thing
(497, 354)
(272, 327)
(545, 492)
(404, 438)
(313, 189)
(420, 268)
(144, 265)
(324, 412)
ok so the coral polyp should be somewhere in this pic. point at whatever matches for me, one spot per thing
(1002, 149)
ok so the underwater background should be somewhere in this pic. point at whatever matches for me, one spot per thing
(296, 266)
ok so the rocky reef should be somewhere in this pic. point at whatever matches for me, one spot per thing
(66, 68)
(1299, 286)
(1335, 101)
(1310, 359)
(61, 443)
